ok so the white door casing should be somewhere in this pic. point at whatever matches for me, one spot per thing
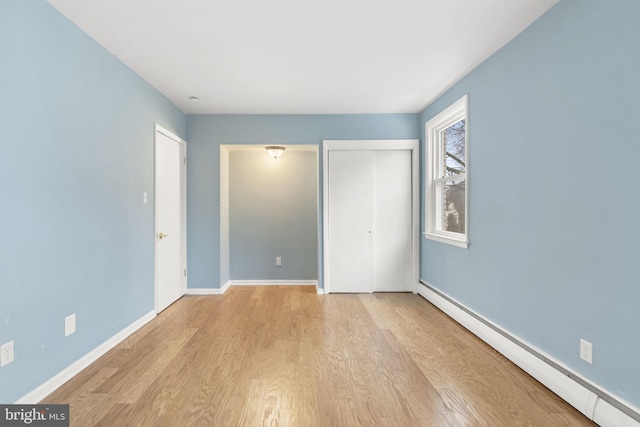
(392, 166)
(170, 218)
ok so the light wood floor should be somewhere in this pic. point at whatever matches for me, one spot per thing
(284, 356)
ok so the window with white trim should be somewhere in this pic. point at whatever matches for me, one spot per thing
(446, 186)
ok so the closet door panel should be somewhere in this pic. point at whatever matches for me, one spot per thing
(351, 221)
(392, 221)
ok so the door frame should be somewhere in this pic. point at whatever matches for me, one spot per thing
(369, 145)
(183, 210)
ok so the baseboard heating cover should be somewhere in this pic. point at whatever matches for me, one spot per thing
(596, 403)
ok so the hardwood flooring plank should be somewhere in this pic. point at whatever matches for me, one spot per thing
(285, 356)
(141, 383)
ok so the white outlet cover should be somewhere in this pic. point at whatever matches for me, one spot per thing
(6, 353)
(69, 325)
(586, 351)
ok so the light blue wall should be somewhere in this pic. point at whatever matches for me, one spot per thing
(206, 133)
(553, 205)
(553, 254)
(273, 213)
(76, 154)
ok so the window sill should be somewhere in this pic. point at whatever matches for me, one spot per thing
(442, 239)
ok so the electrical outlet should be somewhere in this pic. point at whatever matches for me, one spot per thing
(69, 325)
(586, 351)
(278, 260)
(6, 353)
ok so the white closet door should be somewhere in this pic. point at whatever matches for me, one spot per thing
(351, 220)
(392, 222)
(370, 221)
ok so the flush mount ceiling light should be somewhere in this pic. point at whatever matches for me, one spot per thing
(275, 151)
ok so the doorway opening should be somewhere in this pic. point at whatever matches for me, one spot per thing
(269, 215)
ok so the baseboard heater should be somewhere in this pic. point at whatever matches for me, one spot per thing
(597, 404)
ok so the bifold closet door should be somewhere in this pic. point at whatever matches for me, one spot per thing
(351, 220)
(370, 222)
(392, 222)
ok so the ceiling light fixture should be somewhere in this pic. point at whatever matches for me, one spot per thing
(275, 151)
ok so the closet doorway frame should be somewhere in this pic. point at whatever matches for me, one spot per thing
(371, 145)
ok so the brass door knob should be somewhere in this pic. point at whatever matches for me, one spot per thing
(162, 236)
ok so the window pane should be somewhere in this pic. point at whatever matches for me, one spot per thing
(453, 206)
(454, 147)
(446, 137)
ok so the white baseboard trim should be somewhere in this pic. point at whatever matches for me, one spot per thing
(320, 291)
(76, 367)
(599, 405)
(273, 282)
(209, 291)
(225, 287)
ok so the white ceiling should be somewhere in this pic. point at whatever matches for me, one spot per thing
(302, 56)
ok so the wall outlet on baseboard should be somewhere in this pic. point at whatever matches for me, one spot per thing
(586, 351)
(278, 260)
(69, 325)
(6, 353)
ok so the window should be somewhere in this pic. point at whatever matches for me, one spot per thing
(447, 163)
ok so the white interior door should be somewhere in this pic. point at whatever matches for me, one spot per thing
(392, 222)
(170, 219)
(351, 220)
